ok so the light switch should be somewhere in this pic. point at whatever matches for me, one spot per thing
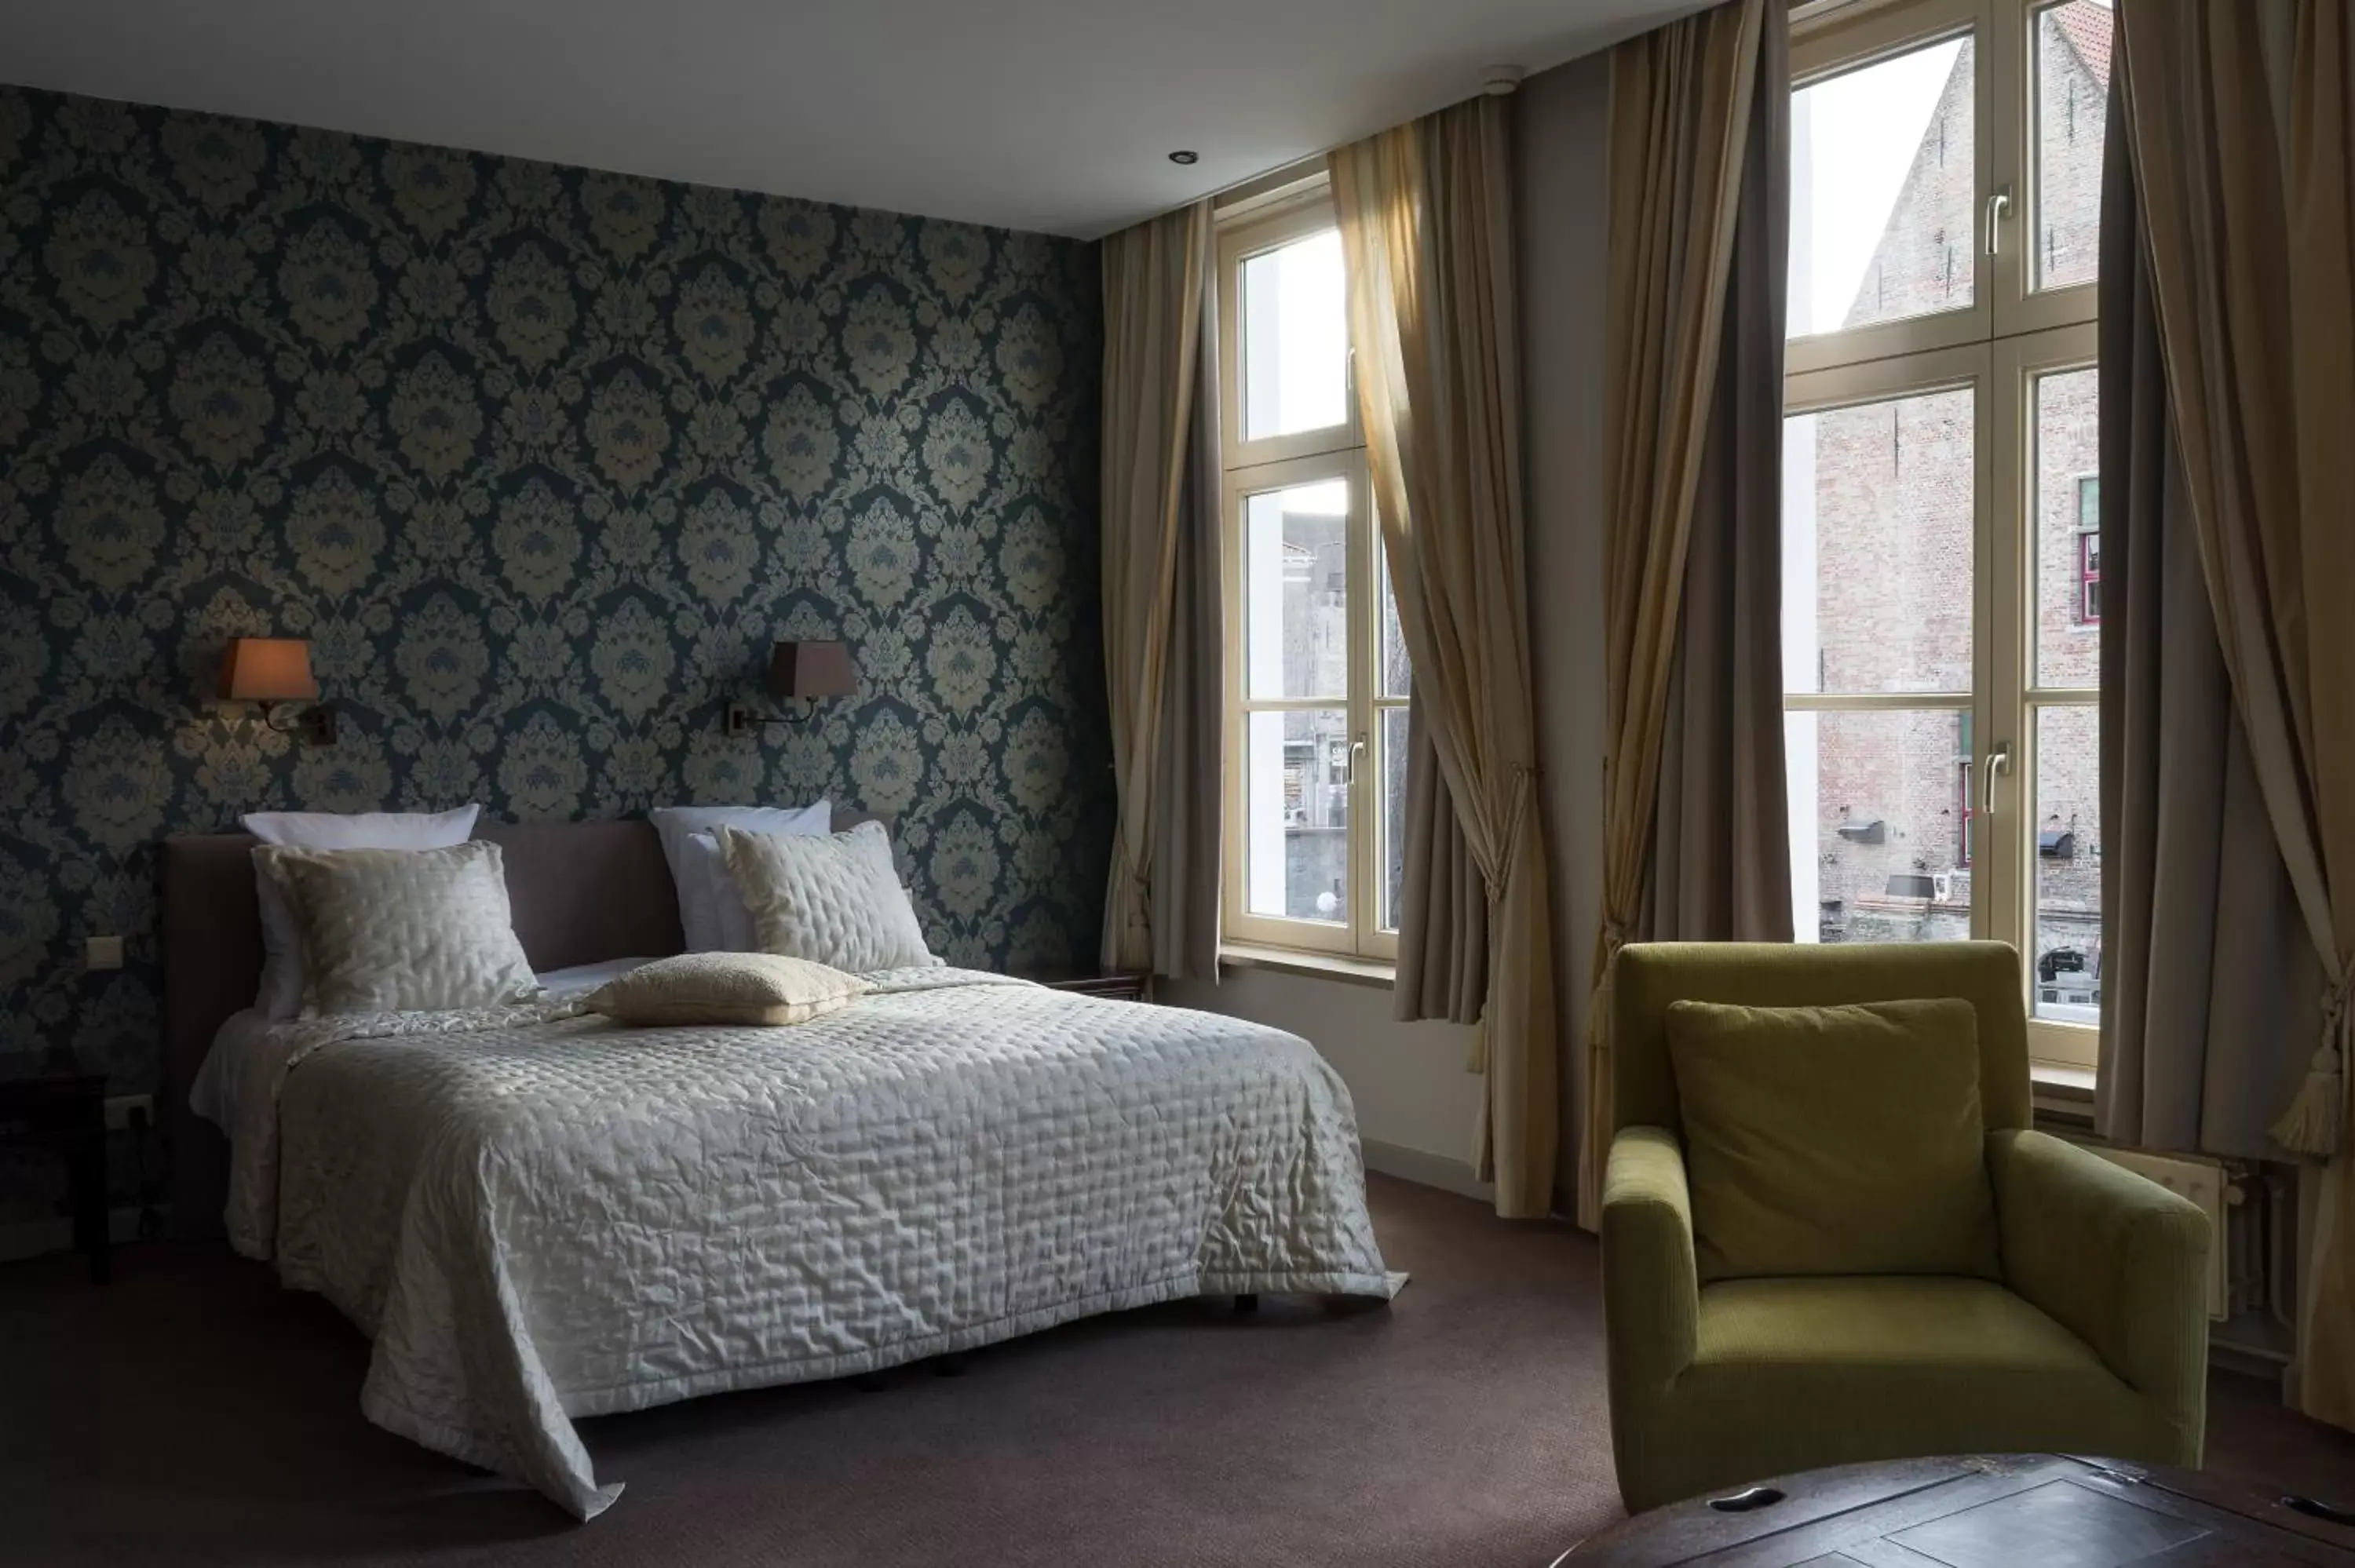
(102, 952)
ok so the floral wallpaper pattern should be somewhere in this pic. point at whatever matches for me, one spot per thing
(540, 461)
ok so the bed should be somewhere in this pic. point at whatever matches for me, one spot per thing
(536, 1215)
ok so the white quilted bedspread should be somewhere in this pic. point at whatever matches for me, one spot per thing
(539, 1216)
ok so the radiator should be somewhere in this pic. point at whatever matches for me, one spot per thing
(2206, 1183)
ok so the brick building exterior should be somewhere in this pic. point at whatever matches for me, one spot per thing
(1881, 494)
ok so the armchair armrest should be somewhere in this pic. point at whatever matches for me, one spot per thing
(1651, 1291)
(2119, 1261)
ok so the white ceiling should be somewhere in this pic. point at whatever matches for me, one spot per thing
(1041, 114)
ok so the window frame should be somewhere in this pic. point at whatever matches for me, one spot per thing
(1302, 208)
(2011, 335)
(1832, 40)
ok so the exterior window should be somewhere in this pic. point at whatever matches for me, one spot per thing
(2089, 550)
(1318, 680)
(1942, 555)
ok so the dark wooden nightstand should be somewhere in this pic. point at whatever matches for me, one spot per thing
(55, 1102)
(1123, 985)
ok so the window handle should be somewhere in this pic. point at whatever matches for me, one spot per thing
(1357, 749)
(1998, 760)
(1999, 208)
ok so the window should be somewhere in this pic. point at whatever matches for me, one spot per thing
(2089, 550)
(1317, 683)
(1942, 501)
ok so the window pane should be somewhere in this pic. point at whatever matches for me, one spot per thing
(2068, 941)
(1393, 785)
(2068, 529)
(1296, 591)
(1296, 338)
(1398, 674)
(1296, 796)
(2073, 87)
(1884, 194)
(1877, 545)
(1882, 839)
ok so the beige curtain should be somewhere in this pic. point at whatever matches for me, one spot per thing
(1721, 835)
(1680, 121)
(1442, 956)
(2239, 116)
(1426, 231)
(2210, 989)
(1188, 792)
(1153, 282)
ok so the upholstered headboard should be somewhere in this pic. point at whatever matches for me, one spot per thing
(581, 892)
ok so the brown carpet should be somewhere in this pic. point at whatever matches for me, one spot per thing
(192, 1412)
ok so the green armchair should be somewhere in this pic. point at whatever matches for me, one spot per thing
(2094, 1340)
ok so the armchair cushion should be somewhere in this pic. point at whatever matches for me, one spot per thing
(1796, 1374)
(1834, 1140)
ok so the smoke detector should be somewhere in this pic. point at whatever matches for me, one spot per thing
(1498, 82)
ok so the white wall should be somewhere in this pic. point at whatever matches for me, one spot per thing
(1562, 125)
(1416, 1103)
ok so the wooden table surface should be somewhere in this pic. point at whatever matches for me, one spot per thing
(2020, 1510)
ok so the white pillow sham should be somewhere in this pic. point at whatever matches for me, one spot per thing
(279, 997)
(698, 878)
(726, 920)
(835, 900)
(402, 930)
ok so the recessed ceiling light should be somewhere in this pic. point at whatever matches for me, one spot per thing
(1184, 155)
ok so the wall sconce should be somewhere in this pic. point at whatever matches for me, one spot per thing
(805, 670)
(274, 669)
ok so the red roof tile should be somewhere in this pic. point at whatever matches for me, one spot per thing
(2086, 26)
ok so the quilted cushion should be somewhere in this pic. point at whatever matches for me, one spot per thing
(833, 900)
(280, 994)
(726, 988)
(1834, 1140)
(402, 930)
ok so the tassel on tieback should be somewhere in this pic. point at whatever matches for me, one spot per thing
(2315, 1125)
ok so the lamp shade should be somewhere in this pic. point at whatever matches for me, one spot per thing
(267, 670)
(812, 670)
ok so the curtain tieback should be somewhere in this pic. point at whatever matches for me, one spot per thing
(1525, 777)
(2316, 1123)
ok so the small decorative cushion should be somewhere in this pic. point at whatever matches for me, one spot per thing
(1834, 1140)
(402, 930)
(700, 878)
(833, 900)
(280, 994)
(726, 988)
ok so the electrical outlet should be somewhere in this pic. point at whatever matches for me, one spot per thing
(102, 953)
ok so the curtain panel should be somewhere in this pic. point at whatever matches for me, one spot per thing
(1188, 786)
(2212, 988)
(2238, 121)
(1154, 280)
(1682, 106)
(1426, 229)
(1720, 837)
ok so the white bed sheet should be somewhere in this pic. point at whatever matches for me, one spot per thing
(539, 1216)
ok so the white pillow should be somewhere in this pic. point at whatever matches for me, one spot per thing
(280, 996)
(697, 898)
(582, 978)
(726, 920)
(402, 930)
(835, 900)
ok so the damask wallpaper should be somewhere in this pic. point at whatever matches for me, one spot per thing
(540, 461)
